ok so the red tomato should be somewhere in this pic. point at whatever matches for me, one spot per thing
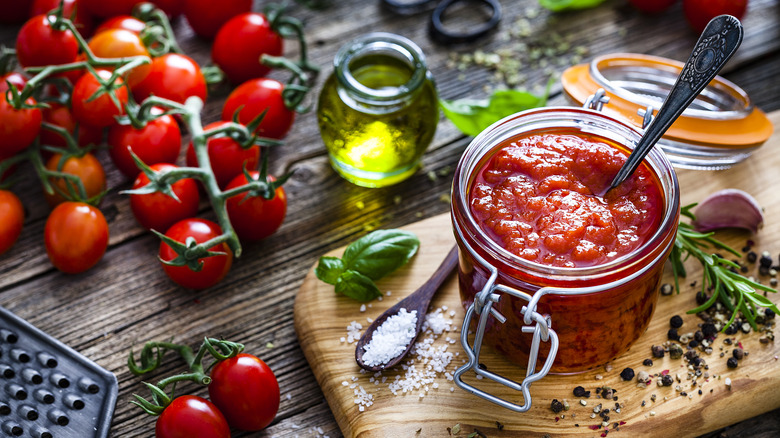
(120, 43)
(171, 7)
(60, 115)
(14, 11)
(173, 76)
(158, 211)
(76, 237)
(11, 219)
(87, 168)
(241, 42)
(157, 142)
(38, 44)
(246, 391)
(100, 112)
(190, 416)
(15, 78)
(227, 157)
(18, 127)
(125, 22)
(214, 268)
(700, 12)
(255, 96)
(83, 21)
(207, 16)
(106, 9)
(652, 6)
(254, 217)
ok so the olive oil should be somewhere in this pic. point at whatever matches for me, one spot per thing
(377, 114)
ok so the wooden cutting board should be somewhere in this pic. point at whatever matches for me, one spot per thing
(322, 317)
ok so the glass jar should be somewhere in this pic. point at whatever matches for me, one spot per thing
(378, 111)
(570, 319)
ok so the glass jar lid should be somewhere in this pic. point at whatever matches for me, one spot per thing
(720, 128)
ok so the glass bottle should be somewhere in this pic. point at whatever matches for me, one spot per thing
(378, 111)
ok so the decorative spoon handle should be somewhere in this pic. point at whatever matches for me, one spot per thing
(716, 45)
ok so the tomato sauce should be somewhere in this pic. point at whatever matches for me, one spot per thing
(537, 197)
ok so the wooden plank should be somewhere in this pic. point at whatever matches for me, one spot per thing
(321, 318)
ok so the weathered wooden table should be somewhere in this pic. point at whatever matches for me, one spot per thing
(127, 300)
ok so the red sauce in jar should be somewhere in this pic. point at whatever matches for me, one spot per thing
(536, 197)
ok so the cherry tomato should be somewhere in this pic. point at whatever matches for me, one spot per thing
(254, 217)
(214, 268)
(171, 7)
(107, 9)
(11, 219)
(83, 21)
(76, 237)
(38, 44)
(227, 157)
(87, 168)
(14, 11)
(241, 42)
(158, 211)
(157, 142)
(652, 6)
(255, 96)
(125, 22)
(173, 76)
(99, 112)
(120, 43)
(207, 16)
(191, 416)
(15, 78)
(246, 391)
(18, 127)
(700, 12)
(60, 115)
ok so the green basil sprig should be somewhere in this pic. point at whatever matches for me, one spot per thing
(472, 116)
(565, 5)
(366, 260)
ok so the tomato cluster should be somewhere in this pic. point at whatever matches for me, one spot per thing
(243, 391)
(697, 12)
(94, 74)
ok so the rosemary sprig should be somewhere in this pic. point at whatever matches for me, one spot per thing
(735, 291)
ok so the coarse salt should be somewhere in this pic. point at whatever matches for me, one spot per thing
(391, 338)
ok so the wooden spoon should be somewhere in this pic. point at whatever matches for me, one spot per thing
(419, 300)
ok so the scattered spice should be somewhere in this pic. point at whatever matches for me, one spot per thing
(676, 322)
(667, 289)
(738, 353)
(647, 362)
(579, 391)
(391, 338)
(732, 362)
(672, 334)
(627, 374)
(556, 406)
(658, 351)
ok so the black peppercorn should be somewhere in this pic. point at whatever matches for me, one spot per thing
(658, 351)
(731, 330)
(694, 343)
(580, 392)
(675, 351)
(701, 298)
(709, 330)
(752, 257)
(769, 314)
(627, 374)
(676, 321)
(667, 380)
(647, 362)
(765, 260)
(732, 362)
(698, 335)
(556, 406)
(738, 353)
(672, 335)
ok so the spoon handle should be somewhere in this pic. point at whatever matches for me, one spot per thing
(716, 45)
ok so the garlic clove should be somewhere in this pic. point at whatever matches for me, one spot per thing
(728, 208)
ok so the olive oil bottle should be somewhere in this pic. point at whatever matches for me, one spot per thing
(378, 111)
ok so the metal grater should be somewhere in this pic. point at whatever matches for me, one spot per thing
(47, 389)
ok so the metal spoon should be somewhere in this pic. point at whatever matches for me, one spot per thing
(419, 300)
(716, 45)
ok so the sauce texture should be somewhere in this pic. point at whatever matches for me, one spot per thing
(537, 198)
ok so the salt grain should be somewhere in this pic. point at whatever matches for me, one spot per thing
(391, 338)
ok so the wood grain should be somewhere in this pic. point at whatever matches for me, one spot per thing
(321, 318)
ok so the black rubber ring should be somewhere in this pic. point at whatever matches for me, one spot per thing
(442, 35)
(407, 8)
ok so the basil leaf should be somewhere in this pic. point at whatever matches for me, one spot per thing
(380, 252)
(357, 286)
(563, 5)
(472, 116)
(329, 269)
